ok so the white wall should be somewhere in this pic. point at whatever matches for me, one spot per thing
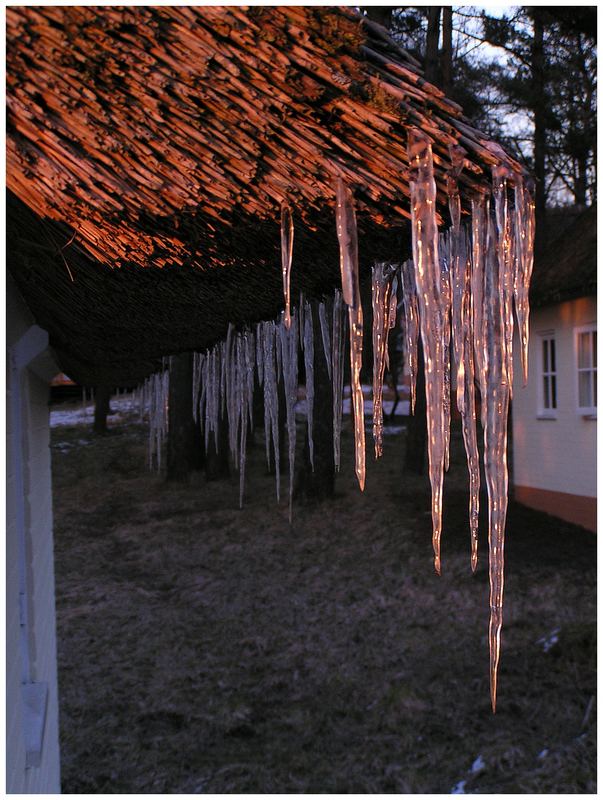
(37, 496)
(554, 454)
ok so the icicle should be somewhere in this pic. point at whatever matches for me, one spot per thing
(411, 326)
(308, 339)
(326, 339)
(524, 243)
(462, 338)
(244, 369)
(480, 212)
(287, 233)
(259, 352)
(249, 341)
(198, 364)
(337, 354)
(224, 374)
(462, 315)
(496, 402)
(348, 263)
(205, 401)
(300, 320)
(232, 398)
(428, 280)
(158, 415)
(393, 302)
(506, 254)
(446, 303)
(356, 333)
(271, 400)
(289, 344)
(382, 279)
(348, 244)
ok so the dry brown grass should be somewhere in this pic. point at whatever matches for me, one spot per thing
(207, 649)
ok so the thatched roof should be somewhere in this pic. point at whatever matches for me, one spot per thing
(162, 140)
(567, 269)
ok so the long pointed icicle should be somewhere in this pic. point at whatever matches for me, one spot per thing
(468, 414)
(445, 316)
(337, 353)
(462, 326)
(287, 232)
(496, 403)
(480, 212)
(289, 344)
(428, 280)
(348, 262)
(308, 338)
(506, 258)
(411, 326)
(465, 372)
(326, 339)
(382, 279)
(524, 243)
(271, 400)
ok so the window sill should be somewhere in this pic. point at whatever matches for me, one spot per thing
(546, 415)
(588, 414)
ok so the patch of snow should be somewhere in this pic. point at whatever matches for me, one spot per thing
(549, 641)
(543, 753)
(478, 765)
(120, 406)
(459, 788)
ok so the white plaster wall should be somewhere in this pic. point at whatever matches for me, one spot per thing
(555, 454)
(40, 569)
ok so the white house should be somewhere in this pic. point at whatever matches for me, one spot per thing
(555, 416)
(32, 736)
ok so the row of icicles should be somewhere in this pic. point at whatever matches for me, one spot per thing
(458, 292)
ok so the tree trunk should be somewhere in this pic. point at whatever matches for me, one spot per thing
(315, 486)
(447, 49)
(539, 111)
(102, 395)
(182, 439)
(431, 46)
(416, 440)
(581, 181)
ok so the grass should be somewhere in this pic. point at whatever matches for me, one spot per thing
(206, 649)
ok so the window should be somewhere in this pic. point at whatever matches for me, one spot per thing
(586, 360)
(548, 376)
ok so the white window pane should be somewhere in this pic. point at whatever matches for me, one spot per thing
(584, 350)
(584, 389)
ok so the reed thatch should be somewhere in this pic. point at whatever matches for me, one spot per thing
(162, 140)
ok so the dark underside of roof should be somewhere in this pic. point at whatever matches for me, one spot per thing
(113, 326)
(149, 150)
(567, 269)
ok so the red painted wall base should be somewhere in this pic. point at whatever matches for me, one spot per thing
(573, 508)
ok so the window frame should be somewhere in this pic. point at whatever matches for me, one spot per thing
(542, 411)
(591, 410)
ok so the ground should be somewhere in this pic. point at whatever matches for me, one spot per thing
(206, 649)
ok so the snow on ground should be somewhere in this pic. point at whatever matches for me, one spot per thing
(67, 417)
(125, 405)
